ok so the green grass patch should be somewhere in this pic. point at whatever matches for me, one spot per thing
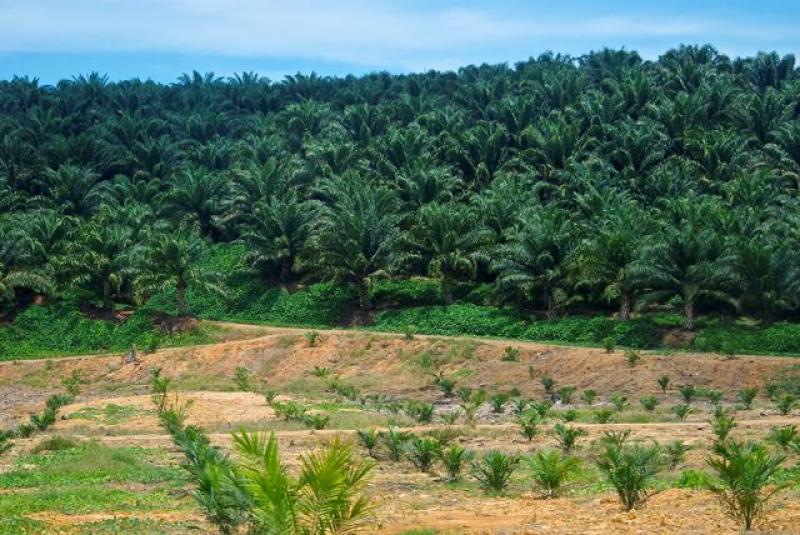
(111, 414)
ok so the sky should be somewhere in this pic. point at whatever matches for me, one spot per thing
(161, 39)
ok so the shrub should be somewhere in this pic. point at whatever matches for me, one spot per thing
(569, 415)
(316, 421)
(55, 443)
(722, 425)
(408, 332)
(567, 436)
(420, 411)
(588, 396)
(603, 415)
(270, 395)
(783, 436)
(453, 459)
(747, 396)
(446, 386)
(43, 420)
(632, 357)
(369, 439)
(714, 396)
(529, 424)
(72, 383)
(619, 401)
(519, 405)
(608, 344)
(631, 470)
(785, 403)
(56, 401)
(312, 338)
(551, 471)
(616, 438)
(494, 470)
(5, 441)
(565, 394)
(464, 393)
(688, 393)
(395, 442)
(542, 408)
(663, 383)
(548, 383)
(498, 402)
(745, 479)
(681, 411)
(243, 378)
(649, 402)
(422, 452)
(321, 371)
(450, 417)
(511, 354)
(25, 430)
(675, 453)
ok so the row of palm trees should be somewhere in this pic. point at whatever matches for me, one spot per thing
(562, 181)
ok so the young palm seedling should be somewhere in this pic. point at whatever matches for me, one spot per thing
(422, 452)
(369, 439)
(631, 470)
(785, 404)
(602, 416)
(649, 403)
(783, 436)
(688, 392)
(494, 470)
(747, 396)
(663, 383)
(453, 459)
(632, 357)
(588, 396)
(529, 424)
(395, 442)
(567, 436)
(498, 402)
(675, 453)
(619, 401)
(551, 471)
(681, 410)
(722, 424)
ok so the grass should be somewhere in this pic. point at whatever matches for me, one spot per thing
(111, 414)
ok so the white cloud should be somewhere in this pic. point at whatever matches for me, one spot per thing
(351, 31)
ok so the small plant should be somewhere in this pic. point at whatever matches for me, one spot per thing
(565, 394)
(785, 404)
(682, 410)
(159, 386)
(747, 396)
(783, 436)
(312, 338)
(608, 344)
(688, 392)
(56, 401)
(25, 430)
(270, 395)
(72, 383)
(569, 415)
(712, 395)
(447, 386)
(498, 402)
(631, 470)
(663, 383)
(675, 453)
(551, 471)
(603, 415)
(616, 438)
(649, 403)
(464, 393)
(420, 411)
(745, 479)
(5, 441)
(548, 383)
(772, 390)
(619, 401)
(567, 436)
(529, 424)
(494, 470)
(588, 396)
(43, 420)
(408, 332)
(321, 371)
(453, 459)
(542, 408)
(450, 417)
(369, 439)
(395, 442)
(632, 357)
(55, 443)
(532, 371)
(316, 421)
(511, 354)
(422, 452)
(243, 378)
(519, 405)
(728, 349)
(722, 425)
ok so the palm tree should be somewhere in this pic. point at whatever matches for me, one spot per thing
(173, 260)
(277, 235)
(13, 279)
(769, 277)
(356, 228)
(534, 260)
(448, 240)
(689, 262)
(197, 195)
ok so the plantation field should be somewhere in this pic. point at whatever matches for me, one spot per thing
(107, 464)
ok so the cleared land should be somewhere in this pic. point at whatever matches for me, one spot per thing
(124, 475)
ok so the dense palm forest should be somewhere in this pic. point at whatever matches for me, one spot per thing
(597, 185)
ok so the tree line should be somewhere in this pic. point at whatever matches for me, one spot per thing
(603, 182)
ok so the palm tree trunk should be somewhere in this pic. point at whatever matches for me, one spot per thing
(364, 288)
(447, 290)
(108, 302)
(688, 310)
(626, 306)
(552, 312)
(180, 294)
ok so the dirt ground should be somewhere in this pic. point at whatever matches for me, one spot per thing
(400, 369)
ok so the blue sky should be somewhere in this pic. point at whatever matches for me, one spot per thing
(160, 39)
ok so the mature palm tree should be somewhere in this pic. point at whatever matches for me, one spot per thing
(534, 260)
(173, 260)
(355, 231)
(13, 279)
(691, 263)
(770, 277)
(198, 195)
(448, 240)
(277, 235)
(73, 190)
